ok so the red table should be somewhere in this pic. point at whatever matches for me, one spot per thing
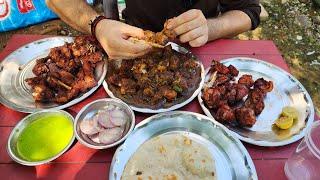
(81, 162)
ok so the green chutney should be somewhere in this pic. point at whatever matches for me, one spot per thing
(45, 137)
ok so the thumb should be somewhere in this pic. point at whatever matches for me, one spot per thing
(132, 31)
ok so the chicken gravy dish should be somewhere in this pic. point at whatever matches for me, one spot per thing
(168, 157)
(160, 79)
(67, 71)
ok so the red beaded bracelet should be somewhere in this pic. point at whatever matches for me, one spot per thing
(94, 23)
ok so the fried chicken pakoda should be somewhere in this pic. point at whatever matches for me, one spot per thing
(158, 39)
(234, 102)
(159, 79)
(67, 71)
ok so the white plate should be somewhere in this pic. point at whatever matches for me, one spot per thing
(180, 49)
(232, 161)
(287, 91)
(16, 94)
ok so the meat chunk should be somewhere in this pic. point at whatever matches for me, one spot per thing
(220, 68)
(40, 67)
(170, 95)
(246, 80)
(245, 116)
(128, 86)
(211, 97)
(242, 91)
(233, 71)
(67, 71)
(225, 114)
(263, 85)
(221, 79)
(161, 38)
(255, 101)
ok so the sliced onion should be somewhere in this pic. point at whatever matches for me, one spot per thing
(103, 117)
(94, 138)
(109, 136)
(90, 126)
(118, 117)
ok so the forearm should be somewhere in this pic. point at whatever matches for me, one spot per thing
(228, 24)
(76, 13)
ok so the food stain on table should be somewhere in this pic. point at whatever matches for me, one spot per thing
(45, 137)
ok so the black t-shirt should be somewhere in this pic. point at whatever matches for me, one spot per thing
(151, 14)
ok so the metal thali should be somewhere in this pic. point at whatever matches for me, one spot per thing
(179, 49)
(287, 91)
(16, 94)
(232, 160)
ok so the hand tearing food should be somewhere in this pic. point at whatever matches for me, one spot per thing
(157, 40)
(191, 27)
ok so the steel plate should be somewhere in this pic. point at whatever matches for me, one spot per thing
(16, 94)
(231, 158)
(182, 50)
(288, 91)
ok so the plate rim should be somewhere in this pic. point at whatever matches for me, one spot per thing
(264, 143)
(176, 106)
(83, 96)
(216, 123)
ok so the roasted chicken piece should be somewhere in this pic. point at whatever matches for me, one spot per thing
(241, 90)
(255, 100)
(212, 97)
(263, 85)
(245, 116)
(67, 71)
(234, 101)
(233, 71)
(225, 114)
(40, 67)
(246, 80)
(158, 39)
(219, 67)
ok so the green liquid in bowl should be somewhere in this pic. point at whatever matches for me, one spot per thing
(45, 137)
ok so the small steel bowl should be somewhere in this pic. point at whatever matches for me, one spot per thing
(88, 111)
(12, 141)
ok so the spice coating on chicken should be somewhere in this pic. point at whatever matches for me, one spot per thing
(161, 38)
(67, 71)
(245, 116)
(246, 80)
(233, 101)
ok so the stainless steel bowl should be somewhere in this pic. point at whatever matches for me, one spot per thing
(90, 110)
(12, 141)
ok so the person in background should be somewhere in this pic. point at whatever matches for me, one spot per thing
(196, 21)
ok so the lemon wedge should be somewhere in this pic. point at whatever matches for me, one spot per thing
(289, 111)
(284, 122)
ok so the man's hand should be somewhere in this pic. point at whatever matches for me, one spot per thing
(113, 37)
(191, 27)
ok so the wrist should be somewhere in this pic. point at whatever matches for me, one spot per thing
(95, 24)
(214, 29)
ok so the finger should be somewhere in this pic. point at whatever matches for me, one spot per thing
(134, 47)
(190, 25)
(124, 55)
(191, 35)
(199, 41)
(183, 18)
(132, 31)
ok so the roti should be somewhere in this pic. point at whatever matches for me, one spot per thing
(169, 157)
